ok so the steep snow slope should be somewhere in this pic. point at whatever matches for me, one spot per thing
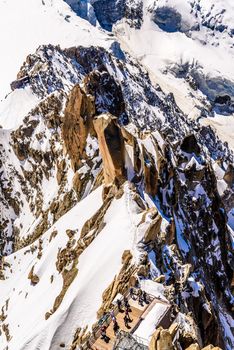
(14, 108)
(25, 25)
(97, 266)
(47, 290)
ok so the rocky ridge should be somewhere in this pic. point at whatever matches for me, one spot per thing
(106, 156)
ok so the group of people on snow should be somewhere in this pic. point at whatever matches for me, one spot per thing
(141, 296)
(124, 307)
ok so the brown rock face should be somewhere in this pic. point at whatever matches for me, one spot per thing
(153, 231)
(104, 85)
(190, 145)
(120, 284)
(126, 257)
(150, 173)
(77, 124)
(165, 341)
(111, 146)
(161, 340)
(170, 232)
(153, 341)
(173, 329)
(33, 277)
(20, 151)
(193, 347)
(229, 175)
(160, 279)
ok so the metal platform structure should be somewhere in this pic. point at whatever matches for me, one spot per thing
(126, 339)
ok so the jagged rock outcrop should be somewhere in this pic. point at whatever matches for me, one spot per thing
(108, 13)
(121, 130)
(161, 340)
(33, 277)
(120, 283)
(153, 230)
(190, 145)
(150, 173)
(77, 124)
(111, 147)
(229, 175)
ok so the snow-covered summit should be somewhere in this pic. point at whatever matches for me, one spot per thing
(111, 175)
(25, 25)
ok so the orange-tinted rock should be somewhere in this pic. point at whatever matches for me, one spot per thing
(153, 230)
(77, 123)
(111, 146)
(164, 341)
(33, 277)
(153, 341)
(229, 175)
(150, 173)
(193, 347)
(170, 232)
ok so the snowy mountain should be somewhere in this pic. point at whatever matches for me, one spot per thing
(116, 170)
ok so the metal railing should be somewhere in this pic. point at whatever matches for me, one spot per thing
(129, 338)
(106, 319)
(140, 340)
